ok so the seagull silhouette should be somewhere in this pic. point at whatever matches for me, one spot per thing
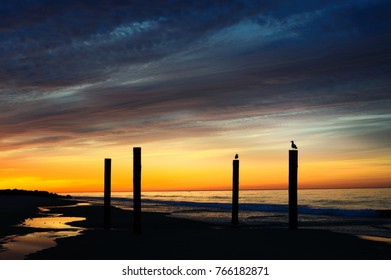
(236, 156)
(293, 145)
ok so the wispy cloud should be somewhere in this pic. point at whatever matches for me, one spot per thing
(73, 70)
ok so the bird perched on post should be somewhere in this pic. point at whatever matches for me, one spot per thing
(293, 145)
(236, 156)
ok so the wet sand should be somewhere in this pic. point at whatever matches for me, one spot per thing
(15, 209)
(164, 237)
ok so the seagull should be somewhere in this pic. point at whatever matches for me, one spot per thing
(293, 145)
(236, 156)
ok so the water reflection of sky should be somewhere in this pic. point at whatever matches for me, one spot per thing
(376, 238)
(52, 222)
(19, 246)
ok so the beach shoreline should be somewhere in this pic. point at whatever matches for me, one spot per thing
(14, 209)
(165, 237)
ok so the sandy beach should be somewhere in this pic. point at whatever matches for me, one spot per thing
(15, 209)
(165, 237)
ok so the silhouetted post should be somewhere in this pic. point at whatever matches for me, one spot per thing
(137, 189)
(107, 194)
(293, 165)
(235, 192)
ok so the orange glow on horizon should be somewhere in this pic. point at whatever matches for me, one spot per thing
(193, 170)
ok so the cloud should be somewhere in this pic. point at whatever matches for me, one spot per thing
(120, 69)
(58, 44)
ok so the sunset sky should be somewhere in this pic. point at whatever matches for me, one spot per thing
(193, 83)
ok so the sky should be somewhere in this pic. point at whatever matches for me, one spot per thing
(193, 83)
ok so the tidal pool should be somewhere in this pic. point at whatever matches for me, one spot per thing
(54, 222)
(16, 247)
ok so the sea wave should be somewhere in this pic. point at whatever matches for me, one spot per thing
(275, 208)
(253, 207)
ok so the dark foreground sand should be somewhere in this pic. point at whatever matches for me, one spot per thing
(164, 237)
(15, 209)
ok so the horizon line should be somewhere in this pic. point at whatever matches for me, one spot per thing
(245, 189)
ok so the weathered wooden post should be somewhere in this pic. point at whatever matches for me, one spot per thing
(107, 194)
(293, 166)
(137, 189)
(235, 191)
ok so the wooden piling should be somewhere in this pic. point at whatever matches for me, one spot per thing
(235, 192)
(136, 189)
(293, 166)
(107, 194)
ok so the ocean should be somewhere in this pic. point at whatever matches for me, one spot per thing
(363, 212)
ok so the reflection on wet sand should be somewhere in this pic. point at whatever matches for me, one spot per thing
(376, 238)
(19, 246)
(52, 222)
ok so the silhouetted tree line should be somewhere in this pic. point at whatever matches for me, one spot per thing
(35, 193)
